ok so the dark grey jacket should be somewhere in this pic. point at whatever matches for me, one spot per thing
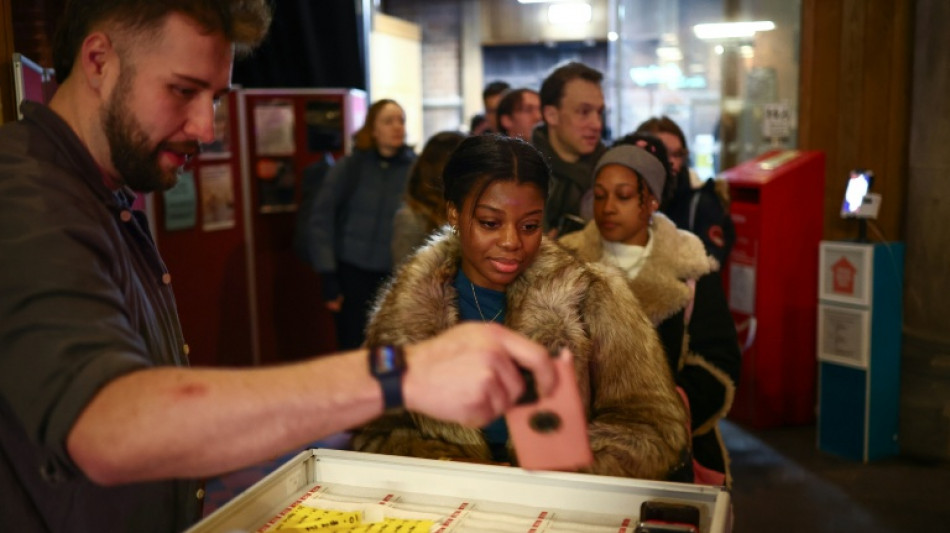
(352, 218)
(84, 298)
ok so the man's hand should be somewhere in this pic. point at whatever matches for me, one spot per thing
(469, 374)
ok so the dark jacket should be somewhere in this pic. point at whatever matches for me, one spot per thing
(569, 183)
(84, 299)
(310, 185)
(637, 425)
(702, 212)
(703, 353)
(352, 217)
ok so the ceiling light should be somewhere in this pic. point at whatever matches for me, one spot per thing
(731, 30)
(569, 13)
(669, 53)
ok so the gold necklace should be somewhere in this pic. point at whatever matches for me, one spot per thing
(479, 307)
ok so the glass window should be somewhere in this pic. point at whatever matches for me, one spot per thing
(732, 88)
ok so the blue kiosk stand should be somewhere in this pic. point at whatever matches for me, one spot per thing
(859, 344)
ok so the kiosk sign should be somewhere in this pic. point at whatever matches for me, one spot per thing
(842, 276)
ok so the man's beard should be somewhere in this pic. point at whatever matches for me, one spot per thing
(132, 157)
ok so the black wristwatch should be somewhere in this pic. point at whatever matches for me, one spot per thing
(388, 364)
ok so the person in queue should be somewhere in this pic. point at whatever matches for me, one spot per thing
(491, 95)
(519, 111)
(675, 281)
(696, 205)
(101, 426)
(494, 265)
(351, 227)
(423, 210)
(572, 107)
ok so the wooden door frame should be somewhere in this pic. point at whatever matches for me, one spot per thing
(7, 99)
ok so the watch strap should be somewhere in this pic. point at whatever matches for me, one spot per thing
(388, 364)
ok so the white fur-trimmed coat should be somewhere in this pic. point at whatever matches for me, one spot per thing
(702, 349)
(637, 424)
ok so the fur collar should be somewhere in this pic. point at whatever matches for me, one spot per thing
(677, 256)
(542, 302)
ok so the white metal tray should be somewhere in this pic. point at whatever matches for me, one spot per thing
(494, 498)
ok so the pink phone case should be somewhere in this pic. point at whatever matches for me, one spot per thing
(551, 434)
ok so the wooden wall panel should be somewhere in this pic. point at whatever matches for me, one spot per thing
(852, 93)
(854, 105)
(899, 115)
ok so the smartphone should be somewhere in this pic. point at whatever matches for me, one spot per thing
(859, 185)
(669, 513)
(551, 433)
(644, 527)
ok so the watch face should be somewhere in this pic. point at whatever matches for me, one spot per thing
(387, 364)
(387, 360)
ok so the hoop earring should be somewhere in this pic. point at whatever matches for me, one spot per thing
(455, 231)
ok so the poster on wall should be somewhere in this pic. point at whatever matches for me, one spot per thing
(274, 128)
(181, 205)
(842, 335)
(217, 197)
(276, 184)
(220, 147)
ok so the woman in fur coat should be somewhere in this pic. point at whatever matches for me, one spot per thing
(676, 284)
(495, 265)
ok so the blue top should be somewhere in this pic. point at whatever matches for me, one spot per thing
(490, 304)
(490, 307)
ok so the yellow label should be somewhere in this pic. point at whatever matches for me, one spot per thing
(302, 519)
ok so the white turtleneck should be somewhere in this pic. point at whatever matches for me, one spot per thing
(629, 257)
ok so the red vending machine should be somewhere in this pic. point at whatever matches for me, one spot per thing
(771, 283)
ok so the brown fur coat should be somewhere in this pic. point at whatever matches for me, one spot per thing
(637, 425)
(702, 350)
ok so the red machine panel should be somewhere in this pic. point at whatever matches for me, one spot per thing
(244, 297)
(771, 282)
(284, 131)
(199, 228)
